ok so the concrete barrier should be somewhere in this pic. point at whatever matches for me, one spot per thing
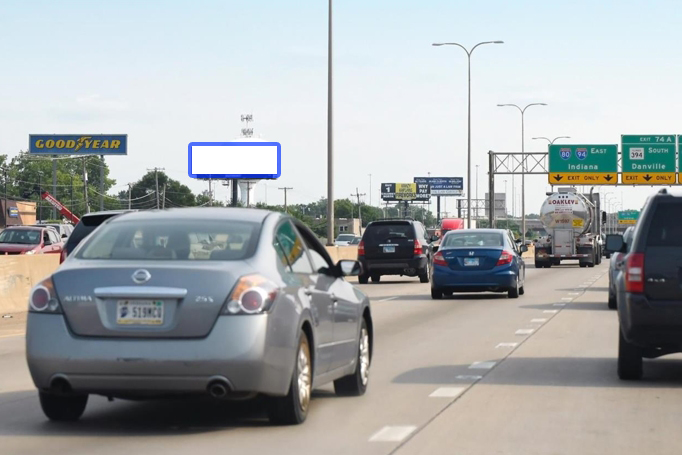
(342, 252)
(18, 275)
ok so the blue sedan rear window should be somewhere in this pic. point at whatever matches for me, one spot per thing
(224, 240)
(466, 240)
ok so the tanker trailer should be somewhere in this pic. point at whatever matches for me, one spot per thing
(572, 225)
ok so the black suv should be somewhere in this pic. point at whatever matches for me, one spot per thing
(85, 226)
(649, 285)
(394, 247)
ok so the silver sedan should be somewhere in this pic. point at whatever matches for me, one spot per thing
(229, 303)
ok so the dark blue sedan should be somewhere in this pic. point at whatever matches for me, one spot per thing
(478, 260)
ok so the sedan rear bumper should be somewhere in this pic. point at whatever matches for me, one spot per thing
(237, 352)
(496, 279)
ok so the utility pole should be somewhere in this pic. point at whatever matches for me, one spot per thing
(357, 194)
(476, 213)
(72, 208)
(210, 194)
(85, 187)
(130, 196)
(370, 189)
(285, 197)
(156, 177)
(6, 212)
(164, 197)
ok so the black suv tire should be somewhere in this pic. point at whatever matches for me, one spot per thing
(629, 359)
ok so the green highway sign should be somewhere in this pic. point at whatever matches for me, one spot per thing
(628, 217)
(583, 164)
(648, 160)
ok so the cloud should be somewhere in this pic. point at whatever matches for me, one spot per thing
(97, 103)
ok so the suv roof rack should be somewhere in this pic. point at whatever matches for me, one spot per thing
(663, 191)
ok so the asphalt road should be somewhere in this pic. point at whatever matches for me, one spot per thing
(473, 374)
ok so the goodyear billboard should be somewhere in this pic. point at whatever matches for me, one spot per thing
(78, 144)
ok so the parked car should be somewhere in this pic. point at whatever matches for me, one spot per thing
(478, 260)
(88, 223)
(616, 262)
(133, 314)
(356, 241)
(64, 230)
(30, 240)
(344, 239)
(394, 247)
(649, 285)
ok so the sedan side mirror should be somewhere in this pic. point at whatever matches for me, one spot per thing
(615, 243)
(64, 236)
(348, 267)
(524, 248)
(434, 238)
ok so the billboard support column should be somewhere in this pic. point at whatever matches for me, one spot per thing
(491, 190)
(101, 184)
(437, 209)
(54, 185)
(85, 187)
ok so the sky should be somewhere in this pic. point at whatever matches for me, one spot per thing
(173, 72)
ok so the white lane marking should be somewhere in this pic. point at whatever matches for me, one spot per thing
(468, 377)
(482, 365)
(447, 392)
(550, 311)
(506, 345)
(392, 433)
(387, 299)
(584, 286)
(567, 299)
(559, 304)
(574, 293)
(538, 321)
(524, 331)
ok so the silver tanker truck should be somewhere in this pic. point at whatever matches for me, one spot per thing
(573, 223)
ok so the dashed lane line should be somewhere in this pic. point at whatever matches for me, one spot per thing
(392, 433)
(448, 392)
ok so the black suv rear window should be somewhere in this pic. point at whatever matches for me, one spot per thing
(666, 229)
(378, 233)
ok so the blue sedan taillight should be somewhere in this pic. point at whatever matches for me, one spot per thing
(505, 258)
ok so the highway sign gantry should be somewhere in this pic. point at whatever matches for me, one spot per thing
(595, 164)
(648, 159)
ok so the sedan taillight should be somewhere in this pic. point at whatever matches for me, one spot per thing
(253, 294)
(505, 258)
(438, 259)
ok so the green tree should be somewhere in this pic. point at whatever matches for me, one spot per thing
(144, 196)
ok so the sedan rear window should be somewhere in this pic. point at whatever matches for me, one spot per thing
(224, 240)
(464, 240)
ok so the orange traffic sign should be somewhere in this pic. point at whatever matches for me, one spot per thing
(648, 178)
(579, 178)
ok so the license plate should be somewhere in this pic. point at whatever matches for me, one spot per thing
(470, 262)
(389, 249)
(141, 312)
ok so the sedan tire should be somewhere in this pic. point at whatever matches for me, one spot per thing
(63, 408)
(355, 384)
(513, 293)
(292, 409)
(612, 299)
(436, 294)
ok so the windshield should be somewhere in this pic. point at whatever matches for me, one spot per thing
(463, 240)
(381, 232)
(176, 240)
(345, 238)
(20, 236)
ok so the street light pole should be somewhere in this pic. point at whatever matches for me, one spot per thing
(468, 52)
(523, 162)
(330, 142)
(477, 193)
(551, 141)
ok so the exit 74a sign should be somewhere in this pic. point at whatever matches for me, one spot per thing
(583, 164)
(648, 160)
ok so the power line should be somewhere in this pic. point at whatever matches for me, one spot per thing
(156, 178)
